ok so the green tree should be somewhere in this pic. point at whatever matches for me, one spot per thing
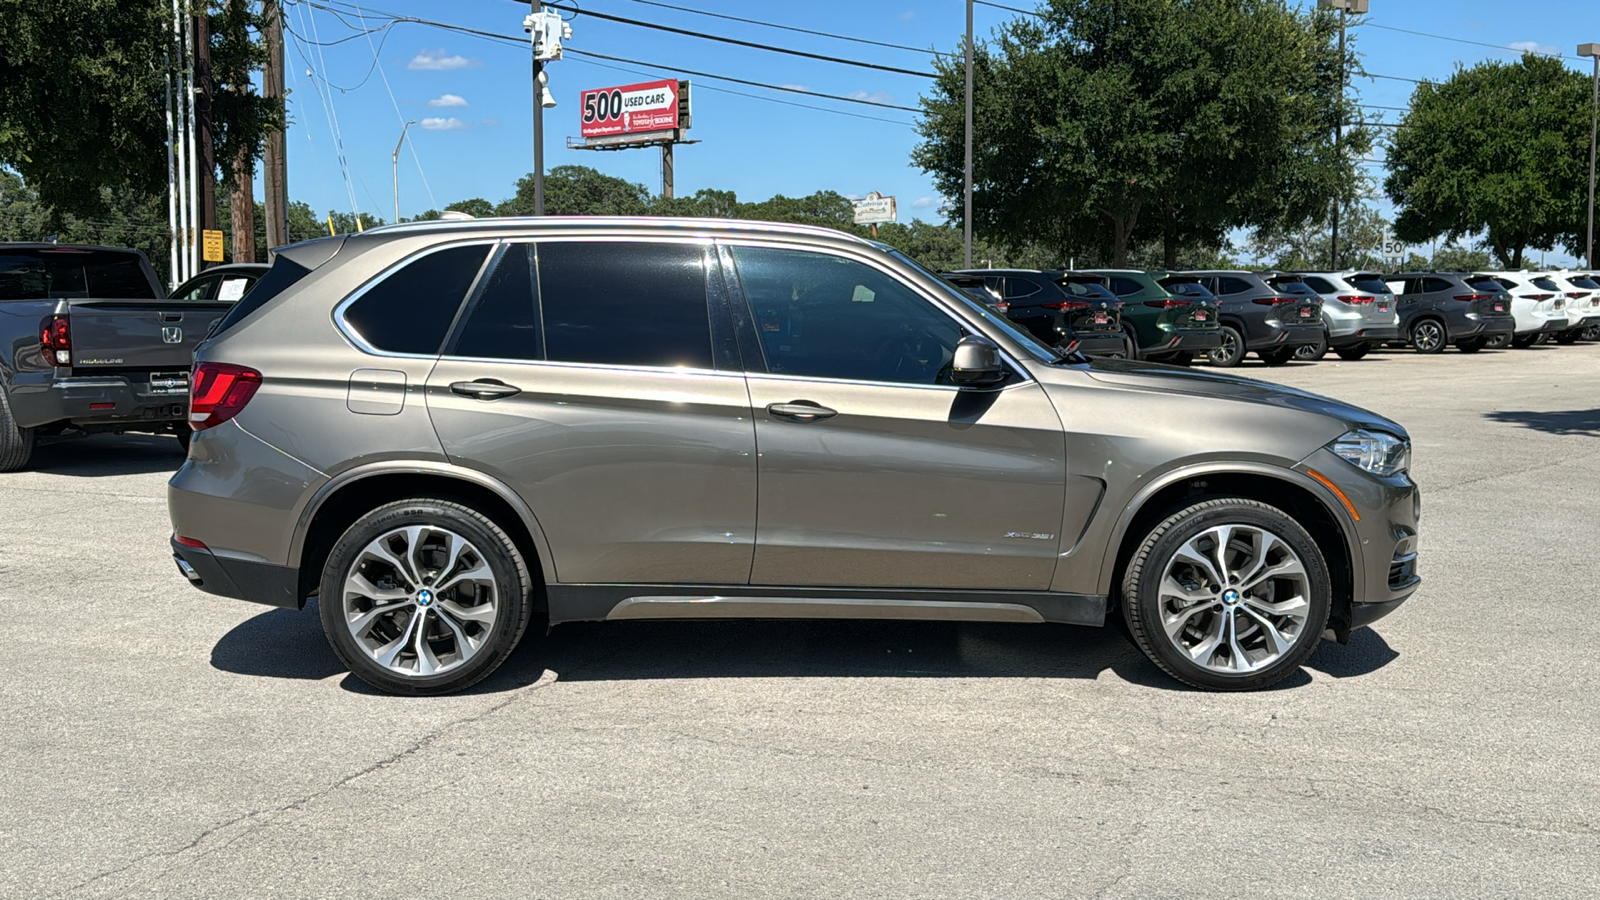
(1499, 150)
(1455, 258)
(579, 191)
(1109, 121)
(1304, 247)
(124, 220)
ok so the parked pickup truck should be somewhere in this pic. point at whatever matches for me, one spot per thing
(89, 344)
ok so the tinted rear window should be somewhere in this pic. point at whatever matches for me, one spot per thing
(410, 310)
(1190, 289)
(1435, 285)
(1485, 284)
(283, 273)
(66, 273)
(1545, 284)
(625, 303)
(1125, 287)
(1585, 282)
(1372, 284)
(1087, 290)
(1227, 284)
(504, 321)
(1320, 285)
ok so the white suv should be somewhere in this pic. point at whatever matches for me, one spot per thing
(1538, 306)
(1583, 304)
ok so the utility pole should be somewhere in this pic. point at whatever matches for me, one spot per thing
(545, 29)
(274, 163)
(966, 186)
(201, 32)
(666, 170)
(1592, 50)
(1345, 7)
(395, 161)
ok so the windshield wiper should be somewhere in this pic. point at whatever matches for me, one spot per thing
(1069, 358)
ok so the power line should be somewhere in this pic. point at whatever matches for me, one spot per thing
(741, 43)
(521, 41)
(1026, 12)
(1395, 78)
(1442, 37)
(839, 37)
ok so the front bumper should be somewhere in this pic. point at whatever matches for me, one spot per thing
(1382, 541)
(239, 579)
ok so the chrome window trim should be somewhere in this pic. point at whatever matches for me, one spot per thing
(606, 367)
(353, 335)
(867, 260)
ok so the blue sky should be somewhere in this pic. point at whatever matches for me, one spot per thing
(473, 94)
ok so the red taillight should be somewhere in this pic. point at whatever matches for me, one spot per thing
(1357, 301)
(1275, 301)
(1540, 296)
(1068, 305)
(1574, 294)
(218, 392)
(1168, 304)
(1468, 298)
(1003, 306)
(190, 542)
(55, 340)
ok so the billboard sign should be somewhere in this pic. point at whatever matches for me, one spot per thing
(874, 208)
(651, 106)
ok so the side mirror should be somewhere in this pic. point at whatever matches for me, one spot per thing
(977, 363)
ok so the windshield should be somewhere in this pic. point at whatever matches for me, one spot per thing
(1028, 342)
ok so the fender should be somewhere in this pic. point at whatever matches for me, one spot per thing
(1295, 477)
(423, 467)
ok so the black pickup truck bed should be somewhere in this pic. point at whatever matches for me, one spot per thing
(70, 359)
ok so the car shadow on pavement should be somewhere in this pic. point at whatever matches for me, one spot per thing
(90, 456)
(1572, 421)
(283, 643)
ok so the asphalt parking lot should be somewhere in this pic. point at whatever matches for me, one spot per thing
(163, 742)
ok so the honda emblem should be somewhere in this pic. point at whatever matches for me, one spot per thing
(172, 334)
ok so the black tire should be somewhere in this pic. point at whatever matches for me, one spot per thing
(1277, 357)
(1471, 345)
(1130, 345)
(1312, 352)
(1523, 343)
(1232, 351)
(1354, 352)
(513, 585)
(1498, 342)
(1570, 336)
(1592, 333)
(1181, 358)
(1429, 336)
(1142, 604)
(16, 443)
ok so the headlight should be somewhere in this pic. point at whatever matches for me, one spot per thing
(1378, 453)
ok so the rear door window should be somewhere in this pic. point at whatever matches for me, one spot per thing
(198, 289)
(503, 322)
(410, 310)
(1125, 287)
(1230, 285)
(1372, 284)
(1545, 284)
(1017, 287)
(626, 303)
(1190, 289)
(1320, 285)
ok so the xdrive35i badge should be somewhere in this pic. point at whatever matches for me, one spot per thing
(1030, 535)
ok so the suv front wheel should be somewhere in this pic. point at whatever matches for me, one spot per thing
(424, 596)
(1227, 594)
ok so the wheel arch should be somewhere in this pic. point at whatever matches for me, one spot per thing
(1301, 497)
(340, 502)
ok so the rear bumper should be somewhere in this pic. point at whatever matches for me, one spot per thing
(1491, 327)
(1376, 333)
(95, 400)
(1288, 336)
(239, 579)
(1095, 344)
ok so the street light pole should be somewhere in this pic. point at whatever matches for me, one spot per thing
(966, 186)
(395, 162)
(1345, 7)
(1592, 50)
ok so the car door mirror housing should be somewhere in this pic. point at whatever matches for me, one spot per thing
(977, 363)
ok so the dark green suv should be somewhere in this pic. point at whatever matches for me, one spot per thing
(1170, 317)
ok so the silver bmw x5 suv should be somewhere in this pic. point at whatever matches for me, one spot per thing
(448, 431)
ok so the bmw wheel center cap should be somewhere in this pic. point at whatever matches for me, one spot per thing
(424, 597)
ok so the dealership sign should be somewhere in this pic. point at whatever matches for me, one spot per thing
(874, 208)
(652, 106)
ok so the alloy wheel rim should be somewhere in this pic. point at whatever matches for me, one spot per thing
(1227, 351)
(1427, 336)
(420, 600)
(1234, 599)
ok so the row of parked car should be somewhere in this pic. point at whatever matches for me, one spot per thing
(1221, 316)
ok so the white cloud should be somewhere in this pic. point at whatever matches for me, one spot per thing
(874, 97)
(436, 61)
(908, 15)
(435, 123)
(448, 100)
(1535, 47)
(923, 202)
(491, 123)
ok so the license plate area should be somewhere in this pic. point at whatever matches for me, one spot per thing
(1201, 316)
(1305, 312)
(1101, 318)
(169, 382)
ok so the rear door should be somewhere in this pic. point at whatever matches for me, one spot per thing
(875, 470)
(583, 375)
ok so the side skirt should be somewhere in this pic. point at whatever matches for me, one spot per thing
(594, 602)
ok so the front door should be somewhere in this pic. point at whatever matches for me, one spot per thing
(875, 470)
(597, 398)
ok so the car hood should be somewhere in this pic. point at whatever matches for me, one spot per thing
(1201, 383)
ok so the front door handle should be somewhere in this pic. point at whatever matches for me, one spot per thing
(484, 389)
(801, 411)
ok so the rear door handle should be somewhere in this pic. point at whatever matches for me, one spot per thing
(801, 411)
(484, 389)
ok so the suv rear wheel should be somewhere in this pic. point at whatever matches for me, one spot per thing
(1354, 352)
(1312, 352)
(16, 443)
(1228, 594)
(424, 596)
(1231, 353)
(1429, 336)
